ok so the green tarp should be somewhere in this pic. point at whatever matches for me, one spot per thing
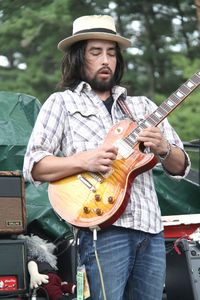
(17, 116)
(18, 113)
(176, 197)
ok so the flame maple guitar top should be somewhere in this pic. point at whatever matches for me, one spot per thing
(90, 200)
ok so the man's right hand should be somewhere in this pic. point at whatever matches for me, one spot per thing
(98, 160)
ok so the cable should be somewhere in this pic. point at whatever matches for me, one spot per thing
(71, 242)
(98, 263)
(7, 296)
(34, 295)
(64, 236)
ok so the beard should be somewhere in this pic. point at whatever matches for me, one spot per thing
(98, 84)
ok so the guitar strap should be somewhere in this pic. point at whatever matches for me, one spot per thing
(124, 108)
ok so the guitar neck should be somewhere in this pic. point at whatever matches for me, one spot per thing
(174, 100)
(166, 107)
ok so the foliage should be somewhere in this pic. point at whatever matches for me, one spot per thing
(165, 50)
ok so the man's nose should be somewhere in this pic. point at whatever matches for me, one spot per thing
(105, 59)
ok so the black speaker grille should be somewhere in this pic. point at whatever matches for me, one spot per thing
(10, 186)
(13, 262)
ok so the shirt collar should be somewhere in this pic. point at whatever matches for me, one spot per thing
(83, 86)
(117, 90)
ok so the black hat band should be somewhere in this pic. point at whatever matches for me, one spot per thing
(96, 30)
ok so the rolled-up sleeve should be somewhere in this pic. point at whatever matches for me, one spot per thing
(46, 135)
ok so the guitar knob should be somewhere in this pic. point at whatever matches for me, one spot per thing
(97, 197)
(86, 210)
(111, 200)
(99, 212)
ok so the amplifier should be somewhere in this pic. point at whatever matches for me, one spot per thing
(183, 271)
(13, 267)
(12, 203)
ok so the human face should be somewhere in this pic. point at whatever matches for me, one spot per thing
(100, 57)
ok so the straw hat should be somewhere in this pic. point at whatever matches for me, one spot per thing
(94, 27)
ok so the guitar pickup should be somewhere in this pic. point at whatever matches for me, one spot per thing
(124, 149)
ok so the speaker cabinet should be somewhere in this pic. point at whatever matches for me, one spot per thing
(13, 267)
(183, 271)
(12, 203)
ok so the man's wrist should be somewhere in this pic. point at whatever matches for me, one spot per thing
(164, 156)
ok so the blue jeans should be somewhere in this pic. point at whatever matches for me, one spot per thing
(132, 263)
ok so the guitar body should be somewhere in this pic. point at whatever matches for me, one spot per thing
(92, 200)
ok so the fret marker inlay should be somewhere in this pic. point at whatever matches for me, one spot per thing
(170, 103)
(179, 94)
(190, 84)
(158, 115)
(147, 123)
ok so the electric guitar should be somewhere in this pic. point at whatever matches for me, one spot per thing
(90, 200)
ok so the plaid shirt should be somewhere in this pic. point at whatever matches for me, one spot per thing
(70, 122)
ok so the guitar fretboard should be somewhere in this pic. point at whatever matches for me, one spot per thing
(166, 107)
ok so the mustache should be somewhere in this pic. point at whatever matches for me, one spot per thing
(106, 70)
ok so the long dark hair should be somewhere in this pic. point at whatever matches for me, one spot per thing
(73, 62)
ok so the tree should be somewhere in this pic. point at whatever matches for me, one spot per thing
(163, 34)
(197, 3)
(29, 37)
